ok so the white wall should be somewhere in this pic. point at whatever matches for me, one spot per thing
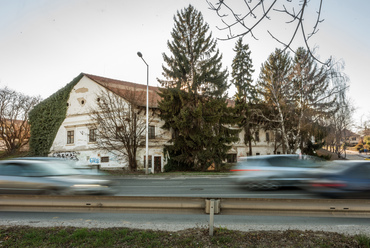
(82, 99)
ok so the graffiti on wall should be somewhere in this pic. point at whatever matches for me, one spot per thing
(94, 160)
(66, 155)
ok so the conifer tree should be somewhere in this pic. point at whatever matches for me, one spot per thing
(242, 70)
(193, 103)
(246, 95)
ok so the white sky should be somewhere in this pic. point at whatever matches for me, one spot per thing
(44, 44)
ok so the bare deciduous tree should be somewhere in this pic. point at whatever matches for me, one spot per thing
(340, 121)
(298, 95)
(14, 127)
(248, 15)
(120, 123)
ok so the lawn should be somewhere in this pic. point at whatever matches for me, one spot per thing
(22, 236)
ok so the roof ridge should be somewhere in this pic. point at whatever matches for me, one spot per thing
(99, 80)
(121, 88)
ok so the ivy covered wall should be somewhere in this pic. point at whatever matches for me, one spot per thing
(46, 118)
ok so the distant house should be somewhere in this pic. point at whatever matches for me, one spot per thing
(73, 139)
(351, 138)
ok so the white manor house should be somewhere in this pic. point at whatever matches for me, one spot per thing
(74, 139)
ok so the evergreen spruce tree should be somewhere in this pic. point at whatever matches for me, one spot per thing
(242, 69)
(246, 94)
(193, 103)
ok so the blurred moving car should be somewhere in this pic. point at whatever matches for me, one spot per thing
(84, 169)
(274, 171)
(341, 179)
(52, 177)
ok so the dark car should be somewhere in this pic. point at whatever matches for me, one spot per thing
(273, 171)
(341, 179)
(56, 177)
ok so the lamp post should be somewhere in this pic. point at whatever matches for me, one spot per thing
(147, 114)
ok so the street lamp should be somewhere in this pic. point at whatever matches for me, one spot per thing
(147, 113)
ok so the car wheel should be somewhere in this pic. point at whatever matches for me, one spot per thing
(272, 185)
(253, 186)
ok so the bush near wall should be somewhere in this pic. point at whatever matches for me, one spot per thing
(46, 118)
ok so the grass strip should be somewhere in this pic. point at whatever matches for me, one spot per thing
(23, 236)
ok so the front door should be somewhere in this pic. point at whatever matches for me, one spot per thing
(157, 164)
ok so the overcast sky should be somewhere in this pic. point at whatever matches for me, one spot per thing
(44, 44)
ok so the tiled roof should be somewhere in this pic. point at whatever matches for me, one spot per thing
(126, 89)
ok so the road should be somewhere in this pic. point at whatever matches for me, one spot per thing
(196, 187)
(207, 186)
(175, 222)
(217, 187)
(351, 155)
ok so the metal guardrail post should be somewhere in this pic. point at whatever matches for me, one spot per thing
(211, 216)
(212, 208)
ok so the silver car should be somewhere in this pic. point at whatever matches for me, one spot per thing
(55, 177)
(273, 171)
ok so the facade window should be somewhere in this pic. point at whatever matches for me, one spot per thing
(151, 132)
(257, 153)
(92, 135)
(104, 159)
(278, 137)
(231, 158)
(118, 132)
(267, 137)
(236, 135)
(70, 137)
(150, 161)
(257, 136)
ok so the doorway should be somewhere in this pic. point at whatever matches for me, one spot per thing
(157, 164)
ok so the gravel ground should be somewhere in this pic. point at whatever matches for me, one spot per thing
(347, 229)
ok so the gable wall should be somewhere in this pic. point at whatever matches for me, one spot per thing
(82, 100)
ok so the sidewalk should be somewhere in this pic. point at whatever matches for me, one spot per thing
(360, 155)
(350, 155)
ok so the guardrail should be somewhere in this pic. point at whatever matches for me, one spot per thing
(232, 206)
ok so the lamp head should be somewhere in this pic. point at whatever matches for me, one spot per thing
(139, 54)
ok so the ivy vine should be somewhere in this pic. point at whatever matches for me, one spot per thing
(47, 117)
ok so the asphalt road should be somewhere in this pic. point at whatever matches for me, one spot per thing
(351, 155)
(175, 222)
(218, 187)
(193, 187)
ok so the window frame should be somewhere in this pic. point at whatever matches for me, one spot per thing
(92, 134)
(118, 131)
(257, 136)
(151, 132)
(104, 159)
(149, 159)
(231, 158)
(70, 137)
